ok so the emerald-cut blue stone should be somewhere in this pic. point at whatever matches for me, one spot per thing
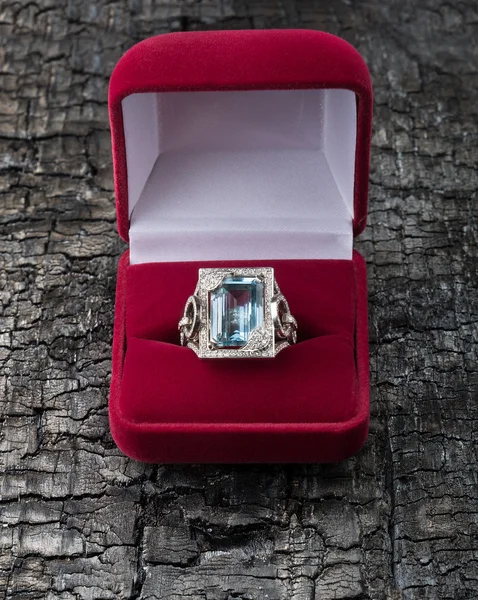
(236, 308)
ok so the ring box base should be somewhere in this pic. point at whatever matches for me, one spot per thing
(134, 414)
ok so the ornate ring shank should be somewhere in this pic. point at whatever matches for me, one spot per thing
(237, 313)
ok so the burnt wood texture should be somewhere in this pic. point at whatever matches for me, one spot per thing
(80, 521)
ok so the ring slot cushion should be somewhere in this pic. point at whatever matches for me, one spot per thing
(241, 149)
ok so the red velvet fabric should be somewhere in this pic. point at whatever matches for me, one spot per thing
(308, 404)
(241, 60)
(313, 381)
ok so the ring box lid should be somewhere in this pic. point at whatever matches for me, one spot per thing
(241, 61)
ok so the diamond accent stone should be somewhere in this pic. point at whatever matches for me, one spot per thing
(259, 340)
(211, 279)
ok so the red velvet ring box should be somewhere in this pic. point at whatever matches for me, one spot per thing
(241, 148)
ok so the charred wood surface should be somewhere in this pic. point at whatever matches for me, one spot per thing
(82, 522)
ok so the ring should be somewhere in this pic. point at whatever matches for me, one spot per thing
(237, 313)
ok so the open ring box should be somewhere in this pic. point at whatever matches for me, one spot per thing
(238, 149)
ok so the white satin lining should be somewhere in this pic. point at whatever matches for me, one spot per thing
(240, 175)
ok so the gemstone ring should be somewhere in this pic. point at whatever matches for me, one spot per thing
(237, 313)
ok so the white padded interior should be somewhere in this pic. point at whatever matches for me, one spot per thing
(240, 175)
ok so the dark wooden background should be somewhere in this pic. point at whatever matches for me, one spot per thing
(82, 522)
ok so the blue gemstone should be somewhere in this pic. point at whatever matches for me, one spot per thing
(236, 308)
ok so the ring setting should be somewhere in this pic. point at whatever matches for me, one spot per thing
(237, 313)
